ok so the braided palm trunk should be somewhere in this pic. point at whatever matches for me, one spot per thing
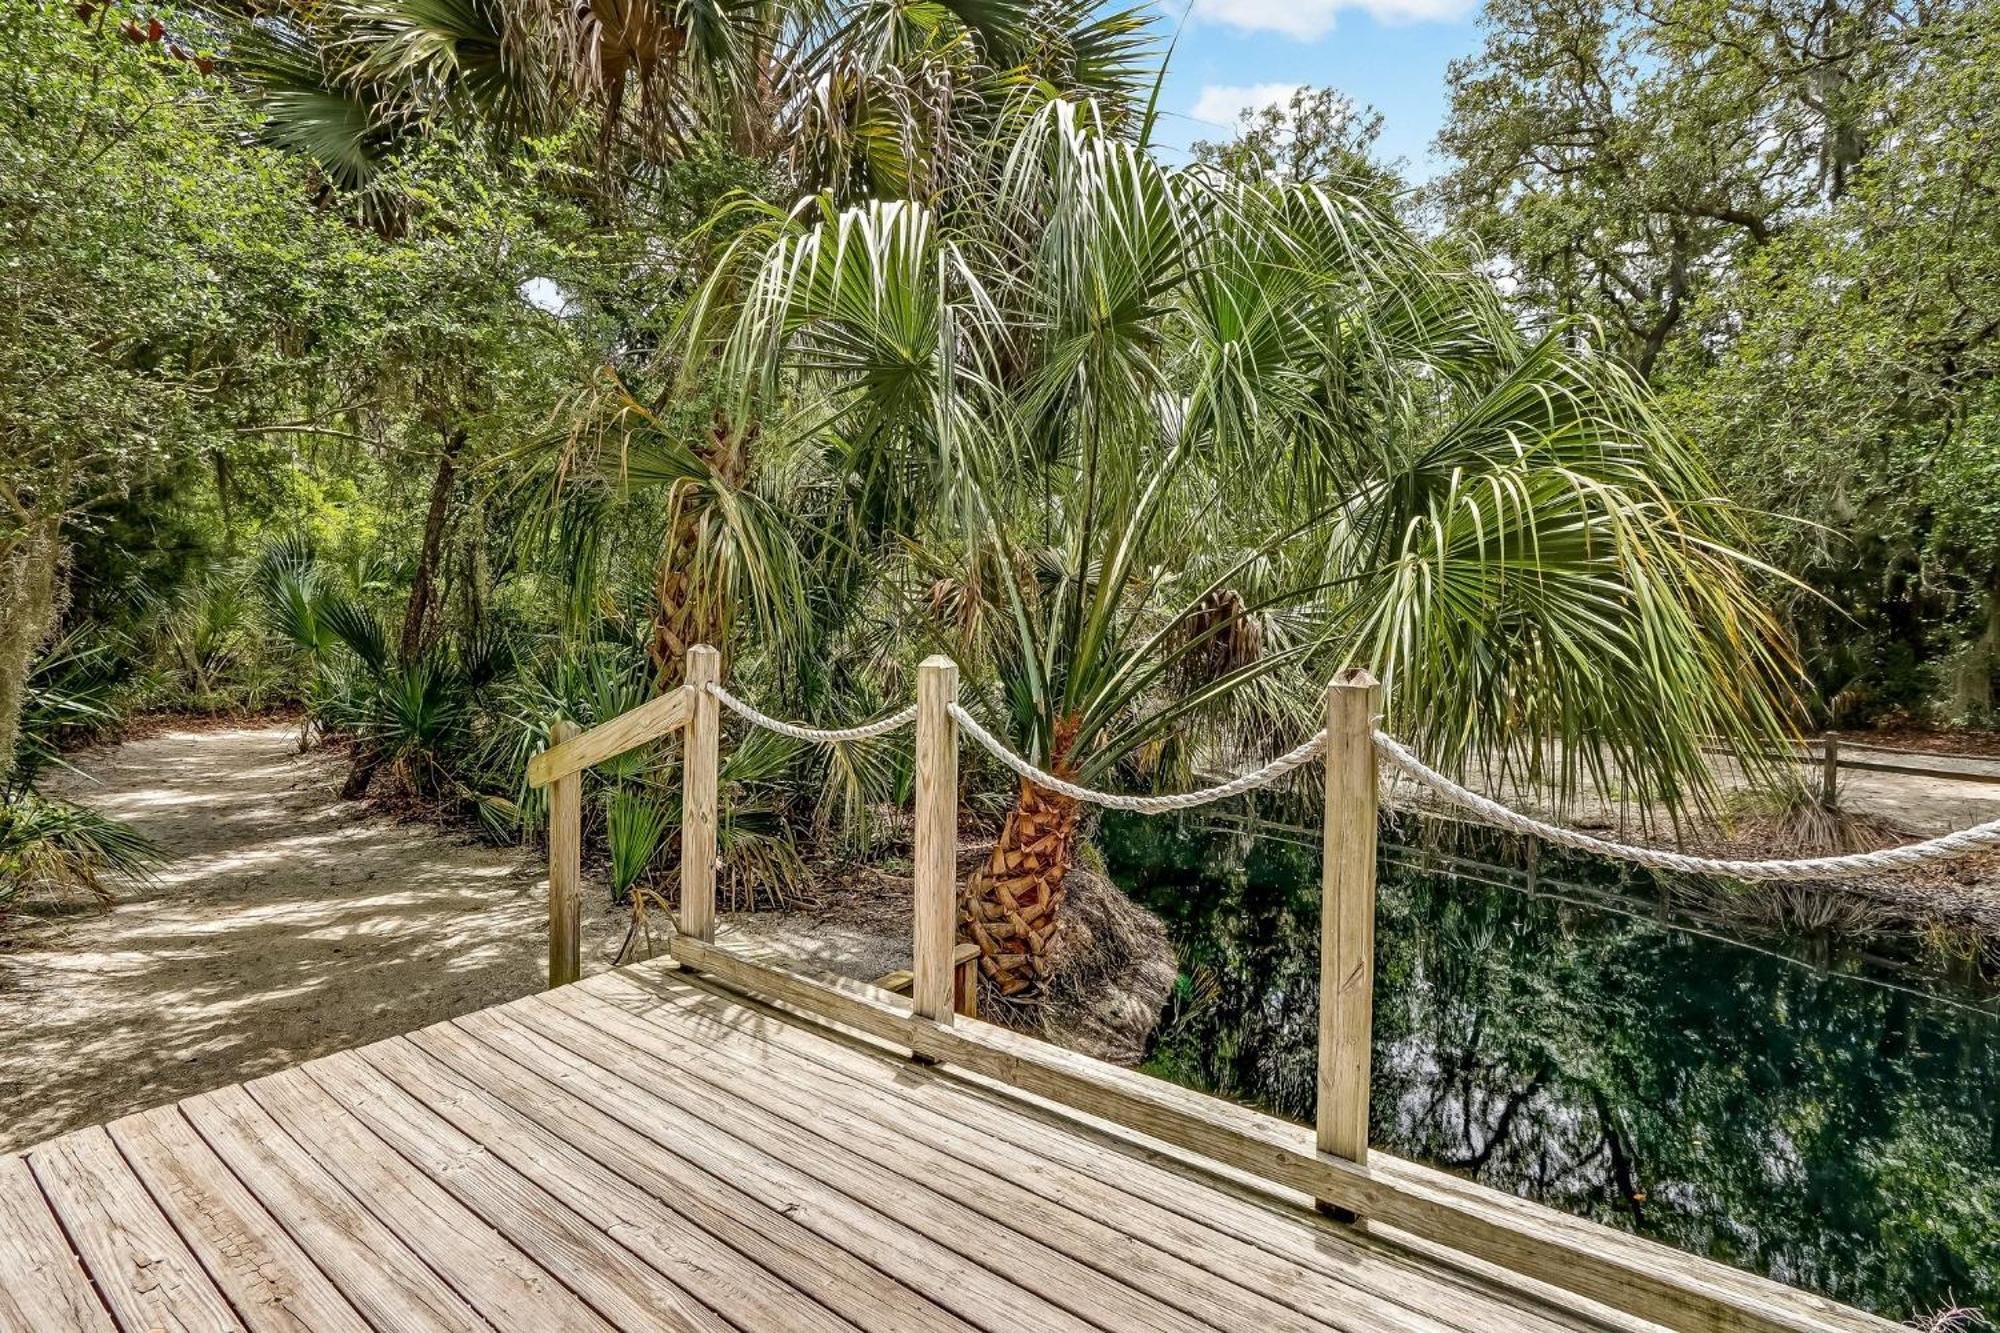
(1010, 907)
(682, 616)
(689, 601)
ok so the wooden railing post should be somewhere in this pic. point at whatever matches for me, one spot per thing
(565, 869)
(935, 916)
(698, 795)
(1347, 920)
(1829, 771)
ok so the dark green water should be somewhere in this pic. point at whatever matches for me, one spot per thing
(1788, 1105)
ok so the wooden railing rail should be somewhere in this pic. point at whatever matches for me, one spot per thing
(565, 868)
(560, 769)
(1347, 923)
(628, 731)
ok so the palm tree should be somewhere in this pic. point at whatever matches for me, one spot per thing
(1191, 443)
(859, 97)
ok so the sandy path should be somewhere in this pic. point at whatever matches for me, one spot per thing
(288, 924)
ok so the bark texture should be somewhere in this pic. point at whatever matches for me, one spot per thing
(689, 603)
(29, 601)
(423, 587)
(1011, 907)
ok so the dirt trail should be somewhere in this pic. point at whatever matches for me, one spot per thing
(287, 924)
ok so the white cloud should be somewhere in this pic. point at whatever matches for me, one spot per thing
(1220, 105)
(1310, 19)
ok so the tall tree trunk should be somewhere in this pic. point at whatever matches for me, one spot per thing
(1012, 905)
(29, 602)
(1972, 677)
(423, 595)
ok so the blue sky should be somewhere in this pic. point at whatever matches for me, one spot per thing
(1390, 54)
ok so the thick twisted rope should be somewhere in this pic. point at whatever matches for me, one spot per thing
(1145, 805)
(1950, 846)
(881, 726)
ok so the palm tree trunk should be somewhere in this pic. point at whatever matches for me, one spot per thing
(681, 616)
(688, 603)
(1010, 907)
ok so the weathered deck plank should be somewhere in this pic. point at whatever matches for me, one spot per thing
(146, 1275)
(695, 1260)
(967, 1212)
(1078, 1215)
(380, 1276)
(507, 1287)
(628, 1293)
(1283, 1248)
(647, 1150)
(769, 1235)
(878, 1229)
(41, 1283)
(268, 1279)
(1292, 1258)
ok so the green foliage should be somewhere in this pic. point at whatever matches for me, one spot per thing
(635, 828)
(72, 696)
(52, 848)
(1318, 136)
(1858, 390)
(1782, 215)
(61, 849)
(1185, 443)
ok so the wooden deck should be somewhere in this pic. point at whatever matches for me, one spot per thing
(646, 1150)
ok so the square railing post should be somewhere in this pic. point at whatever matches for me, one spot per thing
(565, 868)
(1347, 920)
(699, 803)
(935, 912)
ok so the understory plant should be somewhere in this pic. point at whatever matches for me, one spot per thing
(51, 847)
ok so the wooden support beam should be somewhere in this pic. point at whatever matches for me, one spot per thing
(1641, 1277)
(629, 730)
(1347, 921)
(699, 801)
(565, 870)
(935, 916)
(964, 978)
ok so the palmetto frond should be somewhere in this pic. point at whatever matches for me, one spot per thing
(312, 105)
(1149, 393)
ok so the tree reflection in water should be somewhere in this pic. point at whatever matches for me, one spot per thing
(1787, 1105)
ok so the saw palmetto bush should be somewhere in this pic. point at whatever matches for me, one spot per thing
(49, 847)
(1188, 443)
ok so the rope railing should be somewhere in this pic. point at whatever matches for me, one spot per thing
(798, 731)
(1949, 846)
(1354, 754)
(1145, 805)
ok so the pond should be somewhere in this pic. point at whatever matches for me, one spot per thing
(1798, 1106)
